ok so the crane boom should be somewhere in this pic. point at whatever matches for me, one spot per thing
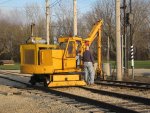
(96, 32)
(92, 35)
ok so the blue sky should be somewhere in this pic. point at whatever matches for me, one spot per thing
(83, 5)
(6, 6)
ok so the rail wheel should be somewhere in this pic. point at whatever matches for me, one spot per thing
(32, 80)
(46, 81)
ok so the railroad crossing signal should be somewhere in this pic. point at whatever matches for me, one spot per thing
(132, 56)
(132, 61)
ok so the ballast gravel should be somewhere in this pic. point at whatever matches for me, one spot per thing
(31, 102)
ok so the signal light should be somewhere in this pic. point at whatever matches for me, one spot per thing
(129, 18)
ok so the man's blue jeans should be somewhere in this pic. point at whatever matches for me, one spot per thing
(89, 72)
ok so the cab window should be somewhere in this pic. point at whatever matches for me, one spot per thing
(63, 45)
(71, 50)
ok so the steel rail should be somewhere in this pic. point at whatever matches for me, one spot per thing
(138, 99)
(97, 103)
(126, 82)
(100, 104)
(136, 85)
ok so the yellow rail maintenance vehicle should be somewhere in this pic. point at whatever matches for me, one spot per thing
(58, 65)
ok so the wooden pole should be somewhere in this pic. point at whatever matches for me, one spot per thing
(118, 41)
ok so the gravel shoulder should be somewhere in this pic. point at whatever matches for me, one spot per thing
(14, 100)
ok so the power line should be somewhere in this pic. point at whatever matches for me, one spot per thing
(55, 3)
(52, 5)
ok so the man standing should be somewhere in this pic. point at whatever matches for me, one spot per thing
(88, 66)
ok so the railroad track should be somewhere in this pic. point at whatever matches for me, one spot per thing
(138, 99)
(90, 104)
(136, 85)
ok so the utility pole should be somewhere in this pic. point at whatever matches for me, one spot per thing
(74, 17)
(124, 41)
(47, 21)
(131, 41)
(122, 54)
(118, 42)
(108, 47)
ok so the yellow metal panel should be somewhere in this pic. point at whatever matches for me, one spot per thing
(21, 55)
(36, 69)
(67, 83)
(45, 46)
(39, 45)
(35, 48)
(46, 57)
(68, 70)
(65, 77)
(70, 63)
(57, 58)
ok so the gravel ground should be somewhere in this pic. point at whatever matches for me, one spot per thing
(89, 94)
(140, 72)
(13, 100)
(104, 98)
(134, 92)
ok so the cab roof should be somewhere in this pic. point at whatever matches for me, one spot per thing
(65, 39)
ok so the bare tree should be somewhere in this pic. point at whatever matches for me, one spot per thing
(64, 19)
(103, 10)
(35, 15)
(141, 27)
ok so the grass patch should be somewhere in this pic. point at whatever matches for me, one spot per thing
(137, 64)
(10, 67)
(142, 64)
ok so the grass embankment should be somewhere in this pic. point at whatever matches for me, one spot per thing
(142, 64)
(138, 64)
(10, 67)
